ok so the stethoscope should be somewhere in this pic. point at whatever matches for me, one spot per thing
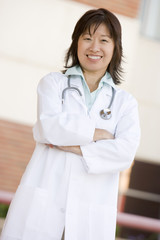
(105, 113)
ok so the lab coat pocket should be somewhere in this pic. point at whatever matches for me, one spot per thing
(37, 209)
(25, 212)
(102, 222)
(46, 219)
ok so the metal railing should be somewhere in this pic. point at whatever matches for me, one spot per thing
(143, 195)
(138, 222)
(123, 219)
(6, 197)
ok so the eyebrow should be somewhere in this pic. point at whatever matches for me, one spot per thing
(106, 35)
(103, 35)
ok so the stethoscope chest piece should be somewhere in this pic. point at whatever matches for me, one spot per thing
(105, 113)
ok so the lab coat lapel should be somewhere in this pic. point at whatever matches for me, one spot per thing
(76, 82)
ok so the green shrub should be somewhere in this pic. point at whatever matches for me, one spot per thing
(3, 210)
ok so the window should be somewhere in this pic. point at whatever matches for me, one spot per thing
(150, 19)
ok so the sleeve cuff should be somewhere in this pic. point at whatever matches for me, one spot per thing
(86, 157)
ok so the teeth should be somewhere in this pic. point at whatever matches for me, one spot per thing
(94, 57)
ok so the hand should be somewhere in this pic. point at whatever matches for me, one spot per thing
(102, 134)
(73, 149)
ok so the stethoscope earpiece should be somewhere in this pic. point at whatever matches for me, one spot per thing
(105, 114)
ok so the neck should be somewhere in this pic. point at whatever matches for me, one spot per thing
(92, 79)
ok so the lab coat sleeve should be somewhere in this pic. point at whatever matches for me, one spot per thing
(106, 156)
(54, 126)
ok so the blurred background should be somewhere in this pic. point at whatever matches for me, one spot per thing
(34, 36)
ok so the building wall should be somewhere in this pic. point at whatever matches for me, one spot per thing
(34, 38)
(16, 147)
(129, 8)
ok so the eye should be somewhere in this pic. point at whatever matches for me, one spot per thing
(87, 38)
(104, 40)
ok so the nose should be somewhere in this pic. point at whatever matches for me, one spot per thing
(94, 47)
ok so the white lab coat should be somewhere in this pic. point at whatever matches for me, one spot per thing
(61, 189)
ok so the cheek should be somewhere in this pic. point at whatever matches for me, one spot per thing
(79, 54)
(109, 52)
(81, 47)
(79, 50)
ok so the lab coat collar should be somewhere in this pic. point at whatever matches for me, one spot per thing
(76, 70)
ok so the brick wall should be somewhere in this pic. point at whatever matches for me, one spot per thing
(16, 147)
(127, 8)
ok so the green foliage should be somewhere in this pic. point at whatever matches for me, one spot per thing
(3, 210)
(117, 230)
(153, 236)
(150, 236)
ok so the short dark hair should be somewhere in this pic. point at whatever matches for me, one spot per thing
(94, 18)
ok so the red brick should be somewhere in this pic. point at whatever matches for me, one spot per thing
(124, 7)
(16, 148)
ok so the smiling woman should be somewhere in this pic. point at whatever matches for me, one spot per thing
(70, 186)
(102, 31)
(95, 51)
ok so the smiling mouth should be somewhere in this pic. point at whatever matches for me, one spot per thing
(94, 57)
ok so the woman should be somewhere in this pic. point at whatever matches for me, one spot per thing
(71, 181)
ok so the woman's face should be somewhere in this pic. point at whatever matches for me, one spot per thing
(95, 50)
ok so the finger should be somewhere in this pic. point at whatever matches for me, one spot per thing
(50, 145)
(62, 148)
